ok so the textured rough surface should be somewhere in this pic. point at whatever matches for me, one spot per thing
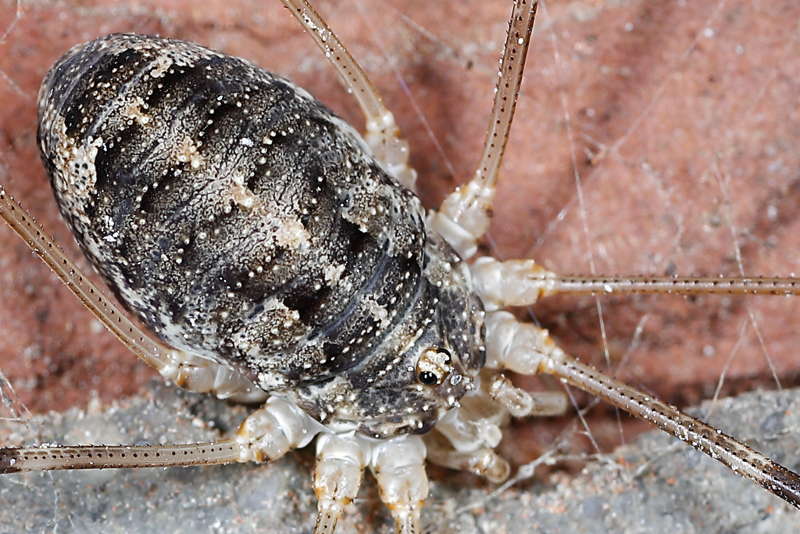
(652, 486)
(215, 198)
(679, 120)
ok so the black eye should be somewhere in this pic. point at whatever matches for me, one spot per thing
(447, 354)
(428, 378)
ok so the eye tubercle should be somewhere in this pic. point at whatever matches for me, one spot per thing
(434, 366)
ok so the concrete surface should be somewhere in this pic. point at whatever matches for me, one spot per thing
(654, 485)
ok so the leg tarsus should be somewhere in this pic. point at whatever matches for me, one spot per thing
(15, 460)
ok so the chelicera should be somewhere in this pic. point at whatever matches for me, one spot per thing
(499, 284)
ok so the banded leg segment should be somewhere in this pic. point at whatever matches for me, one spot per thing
(13, 460)
(465, 214)
(142, 344)
(527, 349)
(266, 434)
(523, 282)
(382, 135)
(679, 285)
(188, 371)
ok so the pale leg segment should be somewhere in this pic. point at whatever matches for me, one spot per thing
(201, 375)
(382, 135)
(186, 370)
(399, 467)
(275, 429)
(521, 403)
(465, 438)
(527, 349)
(465, 214)
(337, 477)
(482, 461)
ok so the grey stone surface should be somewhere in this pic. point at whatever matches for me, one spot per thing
(654, 485)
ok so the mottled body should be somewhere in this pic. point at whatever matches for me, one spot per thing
(242, 221)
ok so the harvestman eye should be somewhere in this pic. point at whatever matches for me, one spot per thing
(433, 366)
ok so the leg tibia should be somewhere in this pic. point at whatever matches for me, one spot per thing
(188, 371)
(399, 467)
(267, 433)
(464, 216)
(337, 476)
(15, 460)
(527, 349)
(273, 430)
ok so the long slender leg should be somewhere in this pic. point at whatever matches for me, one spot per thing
(188, 371)
(337, 476)
(464, 215)
(266, 434)
(523, 282)
(15, 460)
(383, 135)
(527, 349)
(399, 467)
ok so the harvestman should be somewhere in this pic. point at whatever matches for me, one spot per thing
(466, 437)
